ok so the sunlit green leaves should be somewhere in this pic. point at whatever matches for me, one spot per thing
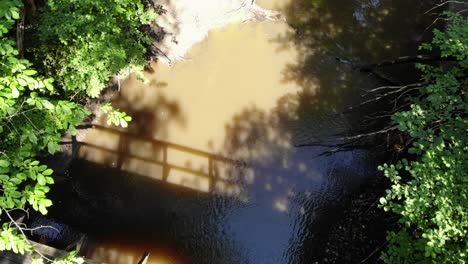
(31, 124)
(4, 163)
(11, 240)
(115, 116)
(70, 259)
(84, 43)
(433, 203)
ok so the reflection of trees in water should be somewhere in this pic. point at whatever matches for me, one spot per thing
(150, 118)
(331, 37)
(265, 141)
(336, 28)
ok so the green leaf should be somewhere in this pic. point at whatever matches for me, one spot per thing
(4, 163)
(47, 172)
(15, 14)
(15, 181)
(15, 93)
(41, 179)
(32, 175)
(15, 194)
(49, 180)
(123, 123)
(48, 105)
(46, 202)
(52, 147)
(48, 84)
(32, 138)
(42, 209)
(29, 72)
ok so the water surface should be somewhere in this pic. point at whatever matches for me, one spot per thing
(208, 171)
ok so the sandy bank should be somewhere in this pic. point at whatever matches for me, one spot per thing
(188, 22)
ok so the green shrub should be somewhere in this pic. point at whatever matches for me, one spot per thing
(32, 120)
(433, 203)
(84, 42)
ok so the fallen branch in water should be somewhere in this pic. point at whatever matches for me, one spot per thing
(373, 252)
(444, 3)
(348, 143)
(394, 90)
(335, 147)
(402, 60)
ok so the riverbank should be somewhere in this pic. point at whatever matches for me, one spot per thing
(186, 23)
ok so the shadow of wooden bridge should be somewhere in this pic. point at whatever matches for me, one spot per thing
(161, 160)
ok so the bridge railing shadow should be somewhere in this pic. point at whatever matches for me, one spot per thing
(162, 162)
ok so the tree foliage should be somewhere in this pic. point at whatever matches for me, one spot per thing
(31, 123)
(83, 43)
(433, 201)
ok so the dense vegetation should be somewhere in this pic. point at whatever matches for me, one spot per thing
(431, 192)
(81, 45)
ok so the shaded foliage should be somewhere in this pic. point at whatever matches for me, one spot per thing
(81, 44)
(84, 43)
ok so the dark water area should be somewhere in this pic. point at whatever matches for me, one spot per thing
(271, 202)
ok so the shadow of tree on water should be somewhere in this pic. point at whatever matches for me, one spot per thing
(148, 121)
(294, 196)
(332, 38)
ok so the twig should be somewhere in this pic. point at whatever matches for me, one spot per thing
(20, 32)
(24, 235)
(40, 227)
(21, 209)
(373, 252)
(404, 59)
(396, 89)
(428, 27)
(446, 2)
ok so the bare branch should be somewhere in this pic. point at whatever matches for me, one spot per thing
(404, 59)
(41, 227)
(428, 27)
(395, 90)
(24, 235)
(349, 140)
(444, 3)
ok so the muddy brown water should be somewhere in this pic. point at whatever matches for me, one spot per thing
(208, 171)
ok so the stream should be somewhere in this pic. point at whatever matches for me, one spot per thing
(208, 171)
